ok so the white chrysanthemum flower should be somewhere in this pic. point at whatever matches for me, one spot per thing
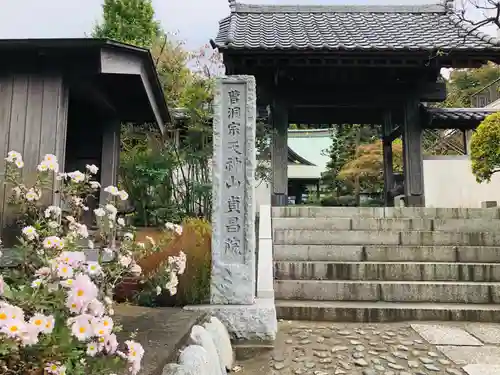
(92, 348)
(64, 271)
(121, 221)
(112, 210)
(81, 327)
(171, 286)
(30, 232)
(76, 176)
(38, 322)
(174, 228)
(136, 270)
(99, 212)
(36, 283)
(124, 260)
(92, 168)
(123, 195)
(52, 211)
(12, 156)
(93, 268)
(13, 327)
(32, 195)
(113, 190)
(95, 185)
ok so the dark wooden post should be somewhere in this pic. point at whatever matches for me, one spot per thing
(412, 154)
(279, 152)
(110, 155)
(387, 155)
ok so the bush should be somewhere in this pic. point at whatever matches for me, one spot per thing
(343, 201)
(347, 201)
(373, 202)
(330, 201)
(485, 151)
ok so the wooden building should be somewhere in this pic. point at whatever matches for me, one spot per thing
(351, 64)
(68, 97)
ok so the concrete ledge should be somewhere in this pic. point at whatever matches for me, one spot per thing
(245, 323)
(392, 253)
(384, 237)
(325, 237)
(389, 271)
(162, 332)
(318, 252)
(388, 291)
(386, 224)
(385, 311)
(388, 212)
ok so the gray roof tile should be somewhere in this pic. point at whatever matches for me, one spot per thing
(362, 28)
(462, 114)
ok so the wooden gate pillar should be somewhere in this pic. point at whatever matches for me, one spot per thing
(412, 154)
(279, 152)
(388, 162)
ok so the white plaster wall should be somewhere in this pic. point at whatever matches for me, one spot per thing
(449, 182)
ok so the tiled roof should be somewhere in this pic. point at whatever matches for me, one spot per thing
(462, 114)
(380, 28)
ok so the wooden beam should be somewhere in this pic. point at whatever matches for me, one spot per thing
(432, 92)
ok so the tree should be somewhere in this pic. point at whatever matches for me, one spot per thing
(345, 141)
(368, 166)
(129, 21)
(465, 82)
(489, 10)
(485, 148)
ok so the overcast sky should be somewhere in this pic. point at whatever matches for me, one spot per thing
(196, 21)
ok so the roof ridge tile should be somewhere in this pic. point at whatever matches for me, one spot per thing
(265, 8)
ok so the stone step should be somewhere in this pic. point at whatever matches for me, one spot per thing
(388, 291)
(374, 312)
(380, 253)
(384, 224)
(363, 237)
(393, 271)
(394, 253)
(388, 212)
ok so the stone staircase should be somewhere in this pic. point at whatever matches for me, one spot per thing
(386, 264)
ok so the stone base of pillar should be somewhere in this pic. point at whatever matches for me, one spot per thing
(255, 323)
(414, 201)
(279, 200)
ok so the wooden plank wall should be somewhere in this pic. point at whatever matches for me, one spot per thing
(33, 121)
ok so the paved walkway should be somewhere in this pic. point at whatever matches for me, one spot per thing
(318, 348)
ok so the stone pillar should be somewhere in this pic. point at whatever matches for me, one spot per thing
(387, 155)
(412, 154)
(279, 153)
(233, 219)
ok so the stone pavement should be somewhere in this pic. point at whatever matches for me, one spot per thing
(318, 348)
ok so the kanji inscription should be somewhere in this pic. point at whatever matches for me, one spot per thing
(233, 222)
(234, 172)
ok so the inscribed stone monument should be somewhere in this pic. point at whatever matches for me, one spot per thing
(233, 239)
